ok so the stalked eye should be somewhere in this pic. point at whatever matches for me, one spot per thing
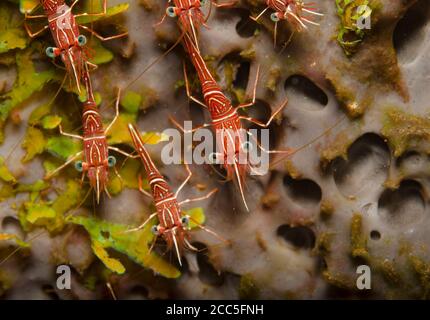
(247, 146)
(82, 40)
(111, 161)
(154, 230)
(50, 52)
(185, 220)
(170, 11)
(274, 17)
(79, 166)
(202, 2)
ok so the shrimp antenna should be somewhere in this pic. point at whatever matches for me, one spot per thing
(289, 154)
(42, 232)
(158, 59)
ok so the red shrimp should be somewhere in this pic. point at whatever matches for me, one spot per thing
(174, 224)
(226, 121)
(69, 43)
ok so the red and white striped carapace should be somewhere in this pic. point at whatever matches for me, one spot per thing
(96, 159)
(298, 13)
(231, 136)
(173, 224)
(69, 43)
(190, 15)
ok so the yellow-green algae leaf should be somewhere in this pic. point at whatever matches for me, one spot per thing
(40, 212)
(197, 216)
(349, 34)
(129, 173)
(51, 122)
(112, 11)
(14, 237)
(39, 113)
(68, 199)
(27, 6)
(63, 147)
(51, 214)
(5, 174)
(37, 186)
(83, 96)
(101, 55)
(133, 244)
(12, 33)
(27, 83)
(111, 263)
(119, 131)
(131, 101)
(34, 143)
(6, 192)
(51, 164)
(153, 137)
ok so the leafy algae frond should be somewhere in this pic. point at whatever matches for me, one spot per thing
(350, 34)
(136, 244)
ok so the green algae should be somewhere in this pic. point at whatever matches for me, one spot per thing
(5, 174)
(323, 242)
(34, 143)
(136, 244)
(14, 238)
(248, 290)
(27, 83)
(358, 238)
(338, 148)
(131, 101)
(273, 79)
(101, 54)
(348, 99)
(350, 35)
(50, 122)
(269, 199)
(405, 131)
(326, 209)
(292, 170)
(388, 269)
(110, 12)
(12, 33)
(51, 214)
(422, 270)
(248, 54)
(337, 280)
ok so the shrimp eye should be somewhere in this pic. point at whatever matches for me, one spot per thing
(79, 166)
(202, 2)
(82, 40)
(170, 11)
(247, 146)
(50, 52)
(185, 220)
(111, 161)
(274, 17)
(154, 230)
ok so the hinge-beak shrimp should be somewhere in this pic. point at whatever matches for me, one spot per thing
(296, 12)
(232, 138)
(190, 15)
(96, 161)
(173, 224)
(69, 43)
